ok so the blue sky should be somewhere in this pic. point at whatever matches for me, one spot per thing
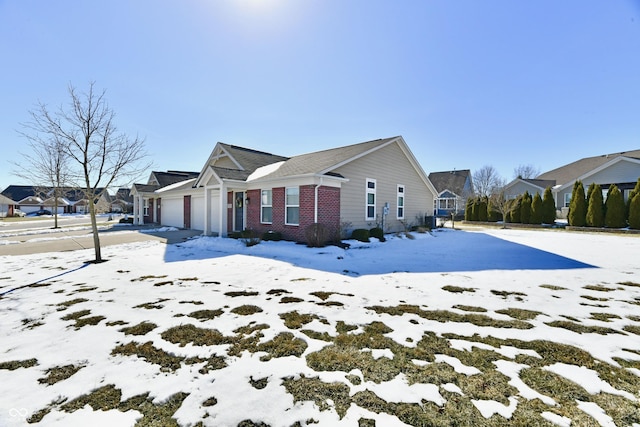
(467, 83)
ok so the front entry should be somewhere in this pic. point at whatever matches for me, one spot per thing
(238, 223)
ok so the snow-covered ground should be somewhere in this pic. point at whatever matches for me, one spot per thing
(589, 280)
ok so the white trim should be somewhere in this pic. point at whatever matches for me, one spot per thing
(286, 206)
(401, 194)
(262, 221)
(596, 170)
(367, 205)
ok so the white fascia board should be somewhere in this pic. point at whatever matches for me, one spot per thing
(298, 180)
(181, 185)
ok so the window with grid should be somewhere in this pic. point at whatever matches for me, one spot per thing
(266, 211)
(292, 206)
(371, 199)
(400, 213)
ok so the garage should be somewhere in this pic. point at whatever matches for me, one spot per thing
(172, 212)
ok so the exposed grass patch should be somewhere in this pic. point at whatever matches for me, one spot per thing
(599, 288)
(506, 294)
(81, 320)
(632, 284)
(142, 328)
(66, 304)
(321, 393)
(241, 294)
(76, 315)
(632, 329)
(592, 298)
(301, 279)
(634, 318)
(185, 334)
(553, 287)
(143, 278)
(330, 304)
(289, 300)
(117, 323)
(470, 308)
(168, 362)
(295, 320)
(278, 292)
(212, 401)
(188, 279)
(246, 310)
(260, 383)
(152, 305)
(582, 329)
(457, 289)
(520, 313)
(12, 365)
(282, 345)
(203, 315)
(191, 302)
(166, 282)
(59, 373)
(31, 323)
(444, 316)
(604, 317)
(343, 328)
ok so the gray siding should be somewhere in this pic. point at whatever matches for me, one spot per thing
(520, 187)
(621, 172)
(389, 167)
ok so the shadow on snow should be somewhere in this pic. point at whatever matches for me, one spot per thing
(443, 251)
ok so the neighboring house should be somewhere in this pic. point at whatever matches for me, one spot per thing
(374, 183)
(71, 200)
(621, 169)
(146, 203)
(453, 187)
(7, 206)
(122, 201)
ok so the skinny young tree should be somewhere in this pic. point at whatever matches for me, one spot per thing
(46, 166)
(99, 156)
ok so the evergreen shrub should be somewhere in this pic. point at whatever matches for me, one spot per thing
(536, 210)
(378, 233)
(360, 234)
(634, 212)
(578, 206)
(548, 207)
(595, 210)
(273, 236)
(615, 209)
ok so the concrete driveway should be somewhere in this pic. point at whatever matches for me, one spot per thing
(64, 240)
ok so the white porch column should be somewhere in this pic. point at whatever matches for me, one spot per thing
(135, 209)
(138, 210)
(222, 211)
(207, 211)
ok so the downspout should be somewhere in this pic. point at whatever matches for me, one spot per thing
(315, 206)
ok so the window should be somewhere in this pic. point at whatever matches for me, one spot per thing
(567, 199)
(292, 206)
(146, 207)
(266, 210)
(400, 201)
(371, 199)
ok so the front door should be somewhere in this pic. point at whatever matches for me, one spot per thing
(239, 211)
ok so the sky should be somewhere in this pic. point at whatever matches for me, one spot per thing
(466, 83)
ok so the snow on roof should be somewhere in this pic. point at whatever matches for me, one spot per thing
(264, 171)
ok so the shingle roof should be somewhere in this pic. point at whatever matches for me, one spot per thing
(573, 171)
(20, 192)
(450, 180)
(542, 183)
(251, 159)
(171, 177)
(4, 200)
(324, 161)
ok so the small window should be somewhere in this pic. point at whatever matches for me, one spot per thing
(400, 213)
(371, 199)
(292, 206)
(567, 199)
(266, 209)
(146, 207)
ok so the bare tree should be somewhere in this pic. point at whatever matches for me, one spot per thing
(499, 202)
(99, 157)
(486, 181)
(46, 167)
(526, 172)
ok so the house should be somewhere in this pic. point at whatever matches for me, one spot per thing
(621, 169)
(6, 206)
(146, 204)
(374, 183)
(453, 187)
(122, 201)
(70, 200)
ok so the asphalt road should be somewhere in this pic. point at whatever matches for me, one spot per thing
(41, 240)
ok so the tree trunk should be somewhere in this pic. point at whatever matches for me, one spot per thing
(94, 229)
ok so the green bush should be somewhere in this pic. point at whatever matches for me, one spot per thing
(360, 234)
(483, 206)
(525, 208)
(578, 206)
(548, 207)
(273, 236)
(516, 210)
(636, 190)
(634, 212)
(378, 233)
(536, 210)
(595, 210)
(614, 209)
(468, 209)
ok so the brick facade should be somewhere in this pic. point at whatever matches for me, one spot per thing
(328, 211)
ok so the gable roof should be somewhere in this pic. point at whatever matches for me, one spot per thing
(572, 171)
(22, 192)
(19, 192)
(453, 181)
(4, 200)
(162, 179)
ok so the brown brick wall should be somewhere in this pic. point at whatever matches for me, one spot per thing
(328, 211)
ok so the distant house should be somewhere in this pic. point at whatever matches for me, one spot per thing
(122, 201)
(374, 183)
(621, 169)
(453, 187)
(7, 206)
(71, 200)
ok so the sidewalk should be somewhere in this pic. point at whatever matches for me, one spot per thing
(61, 241)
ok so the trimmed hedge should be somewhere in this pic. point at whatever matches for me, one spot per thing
(361, 235)
(378, 233)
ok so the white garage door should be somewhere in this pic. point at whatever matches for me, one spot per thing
(172, 212)
(197, 212)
